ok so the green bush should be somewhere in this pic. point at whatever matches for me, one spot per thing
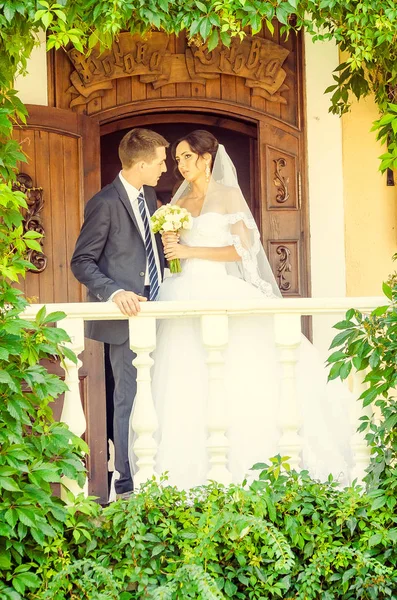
(368, 344)
(284, 536)
(34, 450)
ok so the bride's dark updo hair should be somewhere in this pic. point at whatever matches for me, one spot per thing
(201, 142)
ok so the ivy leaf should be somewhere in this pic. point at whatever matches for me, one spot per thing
(41, 315)
(5, 377)
(163, 5)
(201, 6)
(341, 338)
(205, 28)
(214, 19)
(335, 370)
(344, 325)
(335, 356)
(26, 580)
(61, 15)
(213, 40)
(357, 363)
(5, 559)
(33, 245)
(374, 359)
(380, 311)
(26, 516)
(7, 483)
(9, 12)
(351, 522)
(151, 537)
(282, 14)
(230, 589)
(390, 422)
(375, 539)
(387, 291)
(270, 26)
(47, 19)
(345, 370)
(54, 317)
(4, 353)
(226, 39)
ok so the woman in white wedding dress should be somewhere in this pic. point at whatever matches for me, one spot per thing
(223, 259)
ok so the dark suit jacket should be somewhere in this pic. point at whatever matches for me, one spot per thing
(110, 254)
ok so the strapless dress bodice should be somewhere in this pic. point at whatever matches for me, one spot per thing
(210, 230)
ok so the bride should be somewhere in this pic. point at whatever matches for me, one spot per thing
(223, 259)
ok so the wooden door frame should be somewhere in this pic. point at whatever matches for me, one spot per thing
(91, 375)
(200, 118)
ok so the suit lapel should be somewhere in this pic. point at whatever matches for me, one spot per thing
(150, 198)
(126, 201)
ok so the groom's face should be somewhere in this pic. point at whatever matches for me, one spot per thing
(152, 171)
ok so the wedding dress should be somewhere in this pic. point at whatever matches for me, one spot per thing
(252, 371)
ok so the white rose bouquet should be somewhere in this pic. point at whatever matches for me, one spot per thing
(171, 217)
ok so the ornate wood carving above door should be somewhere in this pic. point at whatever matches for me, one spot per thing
(261, 73)
(258, 61)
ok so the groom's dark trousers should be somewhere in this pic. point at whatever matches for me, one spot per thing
(110, 255)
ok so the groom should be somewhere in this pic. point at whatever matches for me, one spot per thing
(118, 259)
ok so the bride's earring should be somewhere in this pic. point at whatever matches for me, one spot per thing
(207, 172)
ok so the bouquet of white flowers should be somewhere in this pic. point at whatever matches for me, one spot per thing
(171, 217)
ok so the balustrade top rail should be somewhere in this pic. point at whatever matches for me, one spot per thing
(302, 306)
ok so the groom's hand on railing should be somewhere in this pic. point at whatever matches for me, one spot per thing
(128, 302)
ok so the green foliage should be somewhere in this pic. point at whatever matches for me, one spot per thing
(368, 344)
(386, 128)
(365, 30)
(284, 536)
(35, 452)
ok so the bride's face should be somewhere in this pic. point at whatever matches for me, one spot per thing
(190, 164)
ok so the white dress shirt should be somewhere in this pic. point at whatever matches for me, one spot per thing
(133, 194)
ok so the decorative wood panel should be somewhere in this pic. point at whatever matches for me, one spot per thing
(282, 179)
(284, 256)
(284, 212)
(32, 218)
(260, 72)
(63, 162)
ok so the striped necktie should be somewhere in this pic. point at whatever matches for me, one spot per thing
(153, 273)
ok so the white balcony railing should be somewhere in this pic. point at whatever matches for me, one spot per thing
(214, 326)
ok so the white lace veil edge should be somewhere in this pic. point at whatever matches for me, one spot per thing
(224, 196)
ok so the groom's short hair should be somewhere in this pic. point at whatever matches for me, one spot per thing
(140, 144)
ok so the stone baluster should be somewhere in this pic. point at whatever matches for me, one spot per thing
(144, 420)
(72, 411)
(360, 449)
(288, 336)
(214, 330)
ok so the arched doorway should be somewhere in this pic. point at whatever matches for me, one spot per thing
(239, 138)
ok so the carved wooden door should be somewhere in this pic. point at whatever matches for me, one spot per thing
(64, 171)
(283, 211)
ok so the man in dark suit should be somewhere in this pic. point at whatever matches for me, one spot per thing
(118, 259)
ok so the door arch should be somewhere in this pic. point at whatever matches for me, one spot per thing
(239, 138)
